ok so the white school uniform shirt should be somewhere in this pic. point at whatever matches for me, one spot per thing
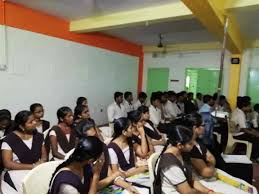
(170, 178)
(114, 111)
(128, 106)
(170, 110)
(138, 104)
(255, 119)
(181, 106)
(199, 103)
(238, 117)
(205, 108)
(155, 115)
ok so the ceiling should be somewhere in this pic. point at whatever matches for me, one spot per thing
(77, 9)
(174, 32)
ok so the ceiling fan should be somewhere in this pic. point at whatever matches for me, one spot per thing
(161, 47)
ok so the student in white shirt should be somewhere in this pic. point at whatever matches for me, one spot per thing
(173, 174)
(199, 101)
(155, 109)
(168, 110)
(208, 104)
(255, 116)
(173, 99)
(128, 99)
(142, 97)
(116, 109)
(242, 132)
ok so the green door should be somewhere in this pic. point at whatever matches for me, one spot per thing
(200, 80)
(253, 85)
(157, 80)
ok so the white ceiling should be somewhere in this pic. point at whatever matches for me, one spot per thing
(181, 31)
(77, 9)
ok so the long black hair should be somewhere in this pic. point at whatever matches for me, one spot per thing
(62, 112)
(87, 148)
(177, 134)
(80, 100)
(120, 125)
(79, 109)
(21, 118)
(84, 126)
(134, 116)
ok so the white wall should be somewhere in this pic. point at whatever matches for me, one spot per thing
(250, 60)
(55, 72)
(178, 62)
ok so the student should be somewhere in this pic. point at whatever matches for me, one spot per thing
(123, 152)
(154, 109)
(174, 175)
(255, 116)
(38, 112)
(62, 136)
(189, 106)
(167, 108)
(81, 112)
(137, 122)
(128, 99)
(241, 131)
(142, 97)
(224, 105)
(172, 97)
(116, 109)
(22, 150)
(208, 104)
(199, 101)
(6, 124)
(180, 101)
(157, 139)
(87, 128)
(82, 101)
(80, 172)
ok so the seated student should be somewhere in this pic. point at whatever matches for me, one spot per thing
(181, 98)
(255, 116)
(241, 131)
(87, 128)
(80, 172)
(204, 162)
(172, 97)
(116, 109)
(189, 106)
(38, 112)
(154, 109)
(82, 101)
(168, 108)
(224, 104)
(123, 152)
(142, 97)
(22, 150)
(7, 125)
(208, 104)
(62, 136)
(199, 101)
(128, 99)
(173, 174)
(137, 122)
(81, 112)
(157, 139)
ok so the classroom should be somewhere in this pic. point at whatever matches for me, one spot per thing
(129, 96)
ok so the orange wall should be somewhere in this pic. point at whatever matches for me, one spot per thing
(21, 17)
